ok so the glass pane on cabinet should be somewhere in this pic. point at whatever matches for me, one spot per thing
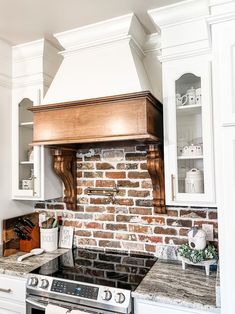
(189, 134)
(25, 151)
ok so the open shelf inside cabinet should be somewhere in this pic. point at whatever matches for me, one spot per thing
(189, 136)
(26, 164)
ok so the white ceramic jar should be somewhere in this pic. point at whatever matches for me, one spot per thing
(197, 239)
(194, 181)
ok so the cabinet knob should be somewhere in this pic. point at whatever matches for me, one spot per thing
(44, 283)
(107, 295)
(120, 297)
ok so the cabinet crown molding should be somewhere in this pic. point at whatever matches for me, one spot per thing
(126, 26)
(176, 13)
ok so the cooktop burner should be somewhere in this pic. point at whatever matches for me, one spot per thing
(109, 268)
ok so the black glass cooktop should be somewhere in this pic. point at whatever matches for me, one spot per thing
(110, 268)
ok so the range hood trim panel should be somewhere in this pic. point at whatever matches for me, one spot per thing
(135, 116)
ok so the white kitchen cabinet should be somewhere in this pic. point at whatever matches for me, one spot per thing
(12, 295)
(188, 136)
(151, 307)
(34, 163)
(34, 65)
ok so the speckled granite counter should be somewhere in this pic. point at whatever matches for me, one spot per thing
(167, 283)
(10, 266)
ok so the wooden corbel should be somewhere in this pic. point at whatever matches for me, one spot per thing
(64, 163)
(155, 168)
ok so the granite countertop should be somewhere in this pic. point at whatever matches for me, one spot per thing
(168, 283)
(10, 266)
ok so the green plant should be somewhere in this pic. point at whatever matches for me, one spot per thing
(197, 256)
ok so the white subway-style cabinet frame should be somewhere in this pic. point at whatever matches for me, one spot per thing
(191, 121)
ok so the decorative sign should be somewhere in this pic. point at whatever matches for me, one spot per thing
(66, 237)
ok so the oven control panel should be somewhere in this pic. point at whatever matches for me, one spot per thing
(74, 289)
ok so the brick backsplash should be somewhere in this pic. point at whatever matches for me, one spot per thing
(130, 223)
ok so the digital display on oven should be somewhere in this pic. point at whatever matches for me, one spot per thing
(75, 289)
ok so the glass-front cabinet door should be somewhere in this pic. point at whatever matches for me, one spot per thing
(189, 170)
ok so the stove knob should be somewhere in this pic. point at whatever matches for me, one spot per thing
(107, 295)
(44, 284)
(120, 297)
(33, 282)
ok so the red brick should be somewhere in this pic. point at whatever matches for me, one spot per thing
(93, 225)
(150, 248)
(80, 208)
(79, 174)
(161, 230)
(93, 174)
(136, 156)
(124, 201)
(85, 165)
(172, 212)
(101, 201)
(124, 218)
(105, 217)
(104, 166)
(138, 193)
(93, 158)
(79, 191)
(72, 223)
(86, 242)
(115, 175)
(121, 192)
(179, 223)
(55, 206)
(95, 209)
(83, 233)
(141, 148)
(102, 234)
(199, 213)
(144, 202)
(130, 166)
(128, 184)
(146, 184)
(154, 220)
(40, 205)
(112, 244)
(105, 183)
(86, 183)
(143, 166)
(126, 236)
(212, 215)
(83, 200)
(184, 232)
(151, 239)
(110, 209)
(139, 229)
(138, 175)
(176, 241)
(140, 210)
(116, 227)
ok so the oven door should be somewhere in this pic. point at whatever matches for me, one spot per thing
(37, 305)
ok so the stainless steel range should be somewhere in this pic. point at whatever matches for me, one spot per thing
(90, 281)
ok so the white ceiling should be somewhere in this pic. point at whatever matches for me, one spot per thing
(26, 20)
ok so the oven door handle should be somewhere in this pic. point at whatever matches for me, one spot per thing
(35, 303)
(38, 304)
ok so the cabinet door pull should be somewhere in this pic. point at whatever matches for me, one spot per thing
(172, 187)
(5, 290)
(34, 179)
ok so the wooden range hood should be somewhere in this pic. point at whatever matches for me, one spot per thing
(135, 117)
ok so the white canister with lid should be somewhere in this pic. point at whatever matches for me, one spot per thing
(194, 181)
